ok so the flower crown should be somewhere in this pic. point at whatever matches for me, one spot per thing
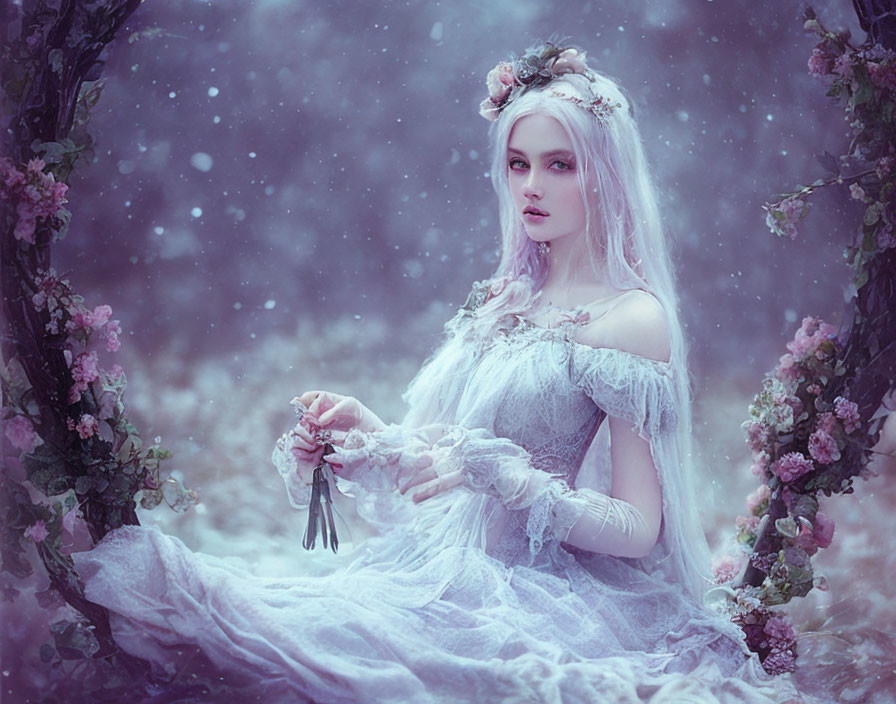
(538, 67)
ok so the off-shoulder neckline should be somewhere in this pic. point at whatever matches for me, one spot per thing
(561, 330)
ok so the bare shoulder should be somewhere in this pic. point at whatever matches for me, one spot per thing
(637, 324)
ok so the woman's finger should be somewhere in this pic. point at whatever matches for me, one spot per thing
(302, 432)
(421, 477)
(323, 402)
(341, 407)
(439, 486)
(301, 443)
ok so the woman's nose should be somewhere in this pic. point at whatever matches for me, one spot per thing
(532, 186)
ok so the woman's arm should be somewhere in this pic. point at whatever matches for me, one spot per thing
(626, 523)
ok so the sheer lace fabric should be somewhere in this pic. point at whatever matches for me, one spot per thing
(472, 595)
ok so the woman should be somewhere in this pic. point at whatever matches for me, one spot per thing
(504, 566)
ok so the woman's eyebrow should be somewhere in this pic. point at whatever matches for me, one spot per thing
(554, 152)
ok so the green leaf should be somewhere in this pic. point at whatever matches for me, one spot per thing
(863, 92)
(872, 213)
(83, 485)
(74, 640)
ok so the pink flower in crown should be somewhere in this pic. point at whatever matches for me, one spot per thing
(37, 531)
(499, 81)
(792, 466)
(848, 412)
(823, 447)
(569, 61)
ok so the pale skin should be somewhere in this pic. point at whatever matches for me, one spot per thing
(542, 173)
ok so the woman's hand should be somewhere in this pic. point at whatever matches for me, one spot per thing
(306, 452)
(339, 414)
(425, 475)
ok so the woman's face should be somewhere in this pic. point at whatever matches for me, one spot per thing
(542, 173)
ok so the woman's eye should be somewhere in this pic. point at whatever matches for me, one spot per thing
(514, 162)
(564, 166)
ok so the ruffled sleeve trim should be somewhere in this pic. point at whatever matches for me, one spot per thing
(626, 385)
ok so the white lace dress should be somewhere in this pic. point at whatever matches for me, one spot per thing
(469, 596)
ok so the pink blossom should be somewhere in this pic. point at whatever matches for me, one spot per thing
(726, 569)
(111, 331)
(499, 82)
(778, 662)
(787, 369)
(826, 422)
(87, 426)
(824, 530)
(843, 67)
(101, 315)
(81, 318)
(569, 61)
(25, 227)
(116, 371)
(848, 412)
(35, 166)
(759, 467)
(85, 369)
(20, 433)
(882, 75)
(757, 436)
(820, 63)
(812, 333)
(779, 628)
(10, 177)
(37, 532)
(781, 217)
(792, 466)
(856, 192)
(823, 447)
(748, 522)
(757, 497)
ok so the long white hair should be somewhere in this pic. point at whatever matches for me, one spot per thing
(625, 242)
(624, 231)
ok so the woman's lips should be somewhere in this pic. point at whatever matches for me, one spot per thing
(533, 215)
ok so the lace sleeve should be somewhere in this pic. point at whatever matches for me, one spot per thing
(500, 468)
(628, 386)
(371, 464)
(647, 394)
